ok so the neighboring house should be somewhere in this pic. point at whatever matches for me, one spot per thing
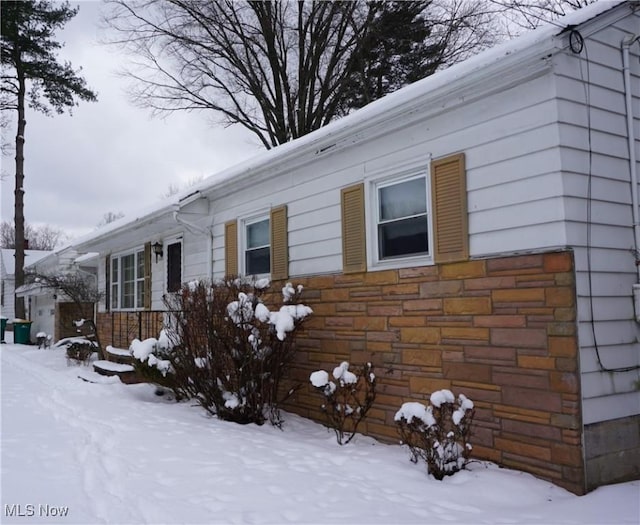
(472, 231)
(8, 279)
(49, 310)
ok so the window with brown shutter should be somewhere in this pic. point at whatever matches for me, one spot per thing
(231, 248)
(354, 256)
(449, 208)
(279, 243)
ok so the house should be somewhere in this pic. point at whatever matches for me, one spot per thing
(7, 277)
(50, 310)
(477, 230)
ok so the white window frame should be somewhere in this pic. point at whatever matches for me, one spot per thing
(388, 177)
(242, 241)
(137, 279)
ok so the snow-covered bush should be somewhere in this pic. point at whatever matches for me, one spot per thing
(152, 359)
(228, 350)
(348, 399)
(79, 351)
(438, 433)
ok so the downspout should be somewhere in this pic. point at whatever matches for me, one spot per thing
(194, 228)
(635, 198)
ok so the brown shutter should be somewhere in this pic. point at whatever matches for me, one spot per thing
(449, 207)
(147, 276)
(231, 248)
(279, 243)
(107, 279)
(354, 255)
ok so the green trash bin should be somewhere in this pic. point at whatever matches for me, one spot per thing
(21, 332)
(3, 326)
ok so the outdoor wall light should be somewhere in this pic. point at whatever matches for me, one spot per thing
(157, 249)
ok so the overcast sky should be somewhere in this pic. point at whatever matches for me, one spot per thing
(110, 155)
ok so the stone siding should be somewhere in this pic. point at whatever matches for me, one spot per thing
(502, 331)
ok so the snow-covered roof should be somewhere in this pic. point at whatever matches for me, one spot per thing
(87, 257)
(514, 52)
(30, 257)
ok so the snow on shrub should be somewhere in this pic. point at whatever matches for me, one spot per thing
(79, 351)
(438, 433)
(348, 399)
(151, 359)
(153, 352)
(229, 350)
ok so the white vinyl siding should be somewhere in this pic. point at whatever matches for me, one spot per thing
(597, 208)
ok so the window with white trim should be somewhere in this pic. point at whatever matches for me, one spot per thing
(397, 213)
(402, 225)
(127, 281)
(256, 246)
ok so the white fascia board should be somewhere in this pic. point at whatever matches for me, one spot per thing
(141, 229)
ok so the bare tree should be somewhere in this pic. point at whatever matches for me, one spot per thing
(109, 217)
(174, 189)
(529, 14)
(280, 69)
(40, 237)
(80, 288)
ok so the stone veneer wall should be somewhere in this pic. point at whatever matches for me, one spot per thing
(502, 331)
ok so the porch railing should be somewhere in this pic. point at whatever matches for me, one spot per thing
(120, 328)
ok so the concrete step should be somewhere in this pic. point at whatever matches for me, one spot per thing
(119, 355)
(125, 372)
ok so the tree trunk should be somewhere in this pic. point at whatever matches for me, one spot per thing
(19, 191)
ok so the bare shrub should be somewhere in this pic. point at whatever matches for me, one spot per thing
(347, 401)
(228, 350)
(79, 351)
(438, 433)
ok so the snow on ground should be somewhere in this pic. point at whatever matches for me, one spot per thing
(119, 454)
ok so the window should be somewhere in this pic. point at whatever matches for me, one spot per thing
(406, 219)
(174, 266)
(402, 223)
(128, 281)
(257, 247)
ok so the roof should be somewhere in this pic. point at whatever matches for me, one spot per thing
(30, 257)
(512, 53)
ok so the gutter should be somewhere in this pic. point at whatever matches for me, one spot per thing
(194, 228)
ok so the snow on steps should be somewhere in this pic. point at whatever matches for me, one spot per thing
(118, 363)
(119, 355)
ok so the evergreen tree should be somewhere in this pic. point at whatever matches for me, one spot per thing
(397, 51)
(32, 73)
